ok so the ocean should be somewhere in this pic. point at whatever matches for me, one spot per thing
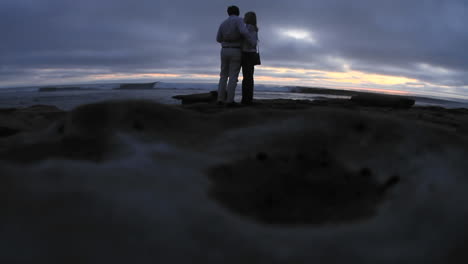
(67, 97)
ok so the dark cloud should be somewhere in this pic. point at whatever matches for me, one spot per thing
(425, 40)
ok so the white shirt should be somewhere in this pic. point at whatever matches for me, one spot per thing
(233, 31)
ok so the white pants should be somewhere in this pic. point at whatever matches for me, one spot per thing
(230, 67)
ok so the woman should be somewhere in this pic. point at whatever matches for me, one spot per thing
(248, 58)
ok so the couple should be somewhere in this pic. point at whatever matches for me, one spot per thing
(238, 39)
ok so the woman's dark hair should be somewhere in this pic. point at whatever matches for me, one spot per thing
(251, 19)
(233, 10)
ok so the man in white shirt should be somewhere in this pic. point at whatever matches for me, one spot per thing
(231, 34)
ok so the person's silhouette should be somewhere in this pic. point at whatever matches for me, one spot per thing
(231, 34)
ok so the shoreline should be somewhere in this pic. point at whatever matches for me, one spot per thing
(52, 90)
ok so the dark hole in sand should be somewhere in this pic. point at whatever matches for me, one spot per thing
(61, 129)
(297, 189)
(6, 131)
(360, 127)
(137, 125)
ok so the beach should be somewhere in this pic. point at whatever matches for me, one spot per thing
(298, 178)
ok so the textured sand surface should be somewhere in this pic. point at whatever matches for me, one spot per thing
(280, 181)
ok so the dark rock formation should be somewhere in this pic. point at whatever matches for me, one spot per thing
(318, 90)
(61, 89)
(136, 86)
(197, 98)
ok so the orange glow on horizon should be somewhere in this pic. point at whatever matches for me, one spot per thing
(395, 92)
(275, 79)
(339, 79)
(132, 76)
(203, 76)
(347, 79)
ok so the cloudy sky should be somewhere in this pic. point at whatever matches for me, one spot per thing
(404, 45)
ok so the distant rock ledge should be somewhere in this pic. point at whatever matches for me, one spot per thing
(363, 99)
(63, 89)
(197, 98)
(136, 86)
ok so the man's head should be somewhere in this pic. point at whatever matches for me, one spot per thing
(233, 10)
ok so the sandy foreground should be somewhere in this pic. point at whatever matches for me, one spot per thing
(280, 181)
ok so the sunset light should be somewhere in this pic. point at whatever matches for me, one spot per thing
(297, 34)
(264, 75)
(318, 77)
